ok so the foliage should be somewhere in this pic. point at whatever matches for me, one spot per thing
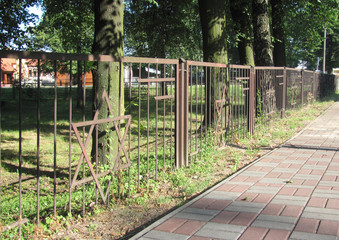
(171, 28)
(305, 22)
(11, 17)
(64, 27)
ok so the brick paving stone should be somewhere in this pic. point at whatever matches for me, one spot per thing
(333, 203)
(318, 172)
(310, 182)
(292, 211)
(289, 191)
(317, 202)
(244, 219)
(272, 175)
(321, 213)
(210, 203)
(307, 225)
(273, 209)
(274, 234)
(171, 224)
(305, 192)
(328, 228)
(254, 233)
(189, 227)
(240, 189)
(226, 187)
(286, 175)
(262, 189)
(247, 197)
(225, 217)
(263, 198)
(329, 178)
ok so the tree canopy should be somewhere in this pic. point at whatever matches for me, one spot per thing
(172, 28)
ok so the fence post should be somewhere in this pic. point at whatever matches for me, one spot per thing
(251, 102)
(181, 115)
(302, 88)
(284, 97)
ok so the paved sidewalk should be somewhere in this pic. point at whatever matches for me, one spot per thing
(291, 193)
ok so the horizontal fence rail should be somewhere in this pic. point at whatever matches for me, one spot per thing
(66, 144)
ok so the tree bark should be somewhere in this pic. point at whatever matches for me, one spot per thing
(263, 54)
(108, 39)
(241, 15)
(279, 56)
(213, 23)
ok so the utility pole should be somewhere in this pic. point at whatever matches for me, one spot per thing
(324, 63)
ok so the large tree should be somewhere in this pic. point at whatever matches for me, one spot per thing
(213, 24)
(109, 40)
(278, 13)
(263, 54)
(241, 11)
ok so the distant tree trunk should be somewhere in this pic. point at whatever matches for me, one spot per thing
(108, 39)
(213, 23)
(279, 55)
(263, 54)
(241, 15)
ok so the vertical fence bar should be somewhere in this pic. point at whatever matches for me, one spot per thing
(20, 145)
(156, 124)
(55, 133)
(284, 97)
(70, 137)
(302, 87)
(38, 146)
(181, 116)
(0, 125)
(83, 83)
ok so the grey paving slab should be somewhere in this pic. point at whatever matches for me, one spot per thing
(275, 222)
(265, 164)
(331, 173)
(316, 167)
(197, 214)
(260, 189)
(253, 174)
(321, 213)
(329, 183)
(159, 235)
(220, 231)
(311, 236)
(290, 200)
(272, 180)
(307, 177)
(221, 195)
(325, 193)
(285, 170)
(249, 207)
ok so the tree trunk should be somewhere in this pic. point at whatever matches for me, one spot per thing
(263, 54)
(279, 56)
(241, 15)
(108, 39)
(213, 24)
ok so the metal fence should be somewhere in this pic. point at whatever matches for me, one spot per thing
(169, 110)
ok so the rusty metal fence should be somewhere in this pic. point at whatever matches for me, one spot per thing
(166, 114)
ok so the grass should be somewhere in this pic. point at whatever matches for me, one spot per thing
(138, 185)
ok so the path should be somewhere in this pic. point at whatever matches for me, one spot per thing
(291, 193)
